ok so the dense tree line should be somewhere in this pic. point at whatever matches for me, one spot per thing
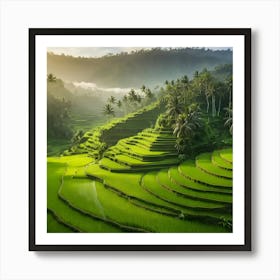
(129, 102)
(198, 110)
(58, 118)
(63, 103)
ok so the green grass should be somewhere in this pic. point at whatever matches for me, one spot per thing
(150, 183)
(64, 212)
(133, 162)
(164, 180)
(204, 162)
(226, 154)
(218, 161)
(116, 129)
(189, 197)
(180, 179)
(189, 170)
(140, 151)
(54, 226)
(128, 185)
(115, 208)
(112, 165)
(71, 161)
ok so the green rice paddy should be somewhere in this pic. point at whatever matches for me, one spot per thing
(138, 185)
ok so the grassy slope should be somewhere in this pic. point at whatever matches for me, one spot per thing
(116, 129)
(129, 186)
(69, 216)
(197, 192)
(94, 198)
(79, 122)
(149, 182)
(179, 178)
(220, 162)
(189, 170)
(165, 181)
(204, 162)
(226, 154)
(54, 226)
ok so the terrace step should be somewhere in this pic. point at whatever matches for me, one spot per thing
(150, 183)
(226, 155)
(140, 153)
(133, 162)
(110, 165)
(153, 146)
(164, 180)
(220, 162)
(176, 177)
(190, 171)
(204, 163)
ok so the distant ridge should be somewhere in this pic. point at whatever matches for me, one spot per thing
(130, 70)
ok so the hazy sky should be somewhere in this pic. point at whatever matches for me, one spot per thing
(92, 52)
(97, 52)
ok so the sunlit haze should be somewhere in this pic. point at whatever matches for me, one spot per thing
(102, 51)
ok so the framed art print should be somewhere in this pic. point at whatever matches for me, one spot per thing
(140, 139)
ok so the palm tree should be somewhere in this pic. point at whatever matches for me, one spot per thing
(197, 85)
(207, 83)
(133, 97)
(125, 103)
(229, 122)
(174, 106)
(179, 127)
(229, 90)
(194, 115)
(220, 91)
(184, 87)
(148, 93)
(204, 82)
(212, 93)
(186, 124)
(125, 99)
(109, 110)
(185, 79)
(119, 104)
(138, 98)
(143, 88)
(196, 74)
(112, 99)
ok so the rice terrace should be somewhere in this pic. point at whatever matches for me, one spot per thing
(139, 140)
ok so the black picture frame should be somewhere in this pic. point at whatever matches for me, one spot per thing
(246, 32)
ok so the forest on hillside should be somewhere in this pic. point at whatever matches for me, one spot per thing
(152, 66)
(67, 101)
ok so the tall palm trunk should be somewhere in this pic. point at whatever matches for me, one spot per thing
(229, 101)
(207, 102)
(213, 105)
(219, 107)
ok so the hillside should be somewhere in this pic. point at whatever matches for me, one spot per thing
(130, 70)
(144, 159)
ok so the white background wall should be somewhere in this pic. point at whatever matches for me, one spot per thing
(16, 262)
